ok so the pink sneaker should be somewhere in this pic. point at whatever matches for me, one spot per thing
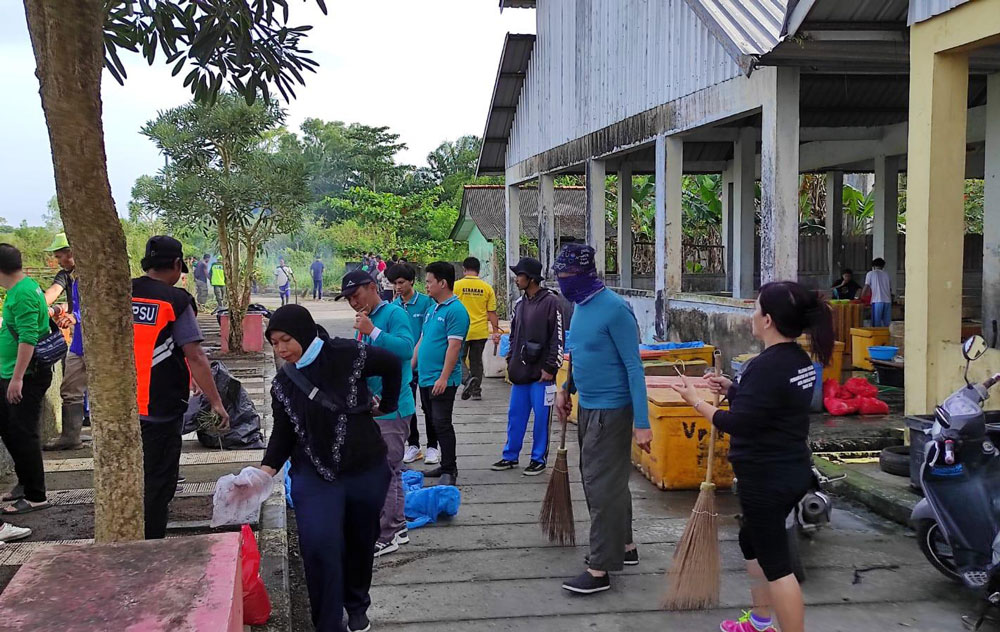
(743, 625)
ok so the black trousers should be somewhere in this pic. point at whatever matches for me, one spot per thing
(338, 525)
(768, 492)
(20, 431)
(441, 408)
(161, 462)
(472, 353)
(414, 438)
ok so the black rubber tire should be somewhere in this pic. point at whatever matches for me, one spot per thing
(794, 554)
(895, 460)
(927, 532)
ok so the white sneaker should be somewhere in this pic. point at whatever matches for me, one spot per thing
(402, 536)
(433, 456)
(9, 533)
(384, 548)
(412, 454)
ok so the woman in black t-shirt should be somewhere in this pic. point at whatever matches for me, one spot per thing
(768, 424)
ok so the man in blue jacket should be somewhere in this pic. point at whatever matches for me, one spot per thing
(608, 377)
(385, 325)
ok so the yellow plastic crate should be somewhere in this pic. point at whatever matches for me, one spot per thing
(678, 457)
(861, 339)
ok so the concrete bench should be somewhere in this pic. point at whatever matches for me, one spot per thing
(178, 585)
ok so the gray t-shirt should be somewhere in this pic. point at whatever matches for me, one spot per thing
(878, 281)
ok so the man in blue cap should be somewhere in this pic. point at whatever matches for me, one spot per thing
(608, 378)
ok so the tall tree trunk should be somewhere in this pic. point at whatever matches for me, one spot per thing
(229, 248)
(68, 46)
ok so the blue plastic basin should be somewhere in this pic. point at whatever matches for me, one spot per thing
(886, 354)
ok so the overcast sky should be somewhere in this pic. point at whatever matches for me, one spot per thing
(425, 68)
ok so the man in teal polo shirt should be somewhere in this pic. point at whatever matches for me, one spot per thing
(443, 334)
(382, 324)
(402, 276)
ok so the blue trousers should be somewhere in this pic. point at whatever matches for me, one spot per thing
(317, 289)
(523, 399)
(338, 527)
(881, 314)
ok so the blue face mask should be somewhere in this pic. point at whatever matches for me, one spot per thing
(578, 288)
(311, 353)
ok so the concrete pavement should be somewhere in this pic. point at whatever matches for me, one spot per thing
(490, 568)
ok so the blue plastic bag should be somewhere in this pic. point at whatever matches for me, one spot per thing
(504, 350)
(424, 506)
(412, 479)
(287, 476)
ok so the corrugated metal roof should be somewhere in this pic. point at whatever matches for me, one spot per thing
(506, 93)
(921, 10)
(745, 28)
(517, 4)
(485, 207)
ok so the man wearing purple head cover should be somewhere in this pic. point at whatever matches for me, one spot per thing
(608, 378)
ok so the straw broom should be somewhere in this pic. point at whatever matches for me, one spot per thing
(557, 508)
(693, 579)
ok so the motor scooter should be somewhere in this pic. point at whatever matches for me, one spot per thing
(958, 520)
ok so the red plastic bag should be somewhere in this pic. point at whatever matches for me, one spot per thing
(872, 406)
(256, 603)
(840, 407)
(861, 387)
(830, 388)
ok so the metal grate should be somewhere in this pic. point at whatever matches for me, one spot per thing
(17, 553)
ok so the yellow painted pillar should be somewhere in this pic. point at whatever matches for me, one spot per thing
(934, 214)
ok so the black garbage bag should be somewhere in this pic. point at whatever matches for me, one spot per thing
(244, 422)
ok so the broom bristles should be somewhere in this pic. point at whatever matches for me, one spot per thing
(693, 579)
(557, 508)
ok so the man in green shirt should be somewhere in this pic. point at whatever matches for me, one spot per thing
(25, 323)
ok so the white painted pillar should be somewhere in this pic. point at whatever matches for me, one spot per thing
(835, 223)
(675, 212)
(625, 225)
(991, 210)
(744, 212)
(513, 239)
(596, 216)
(884, 241)
(779, 180)
(727, 226)
(546, 223)
(660, 217)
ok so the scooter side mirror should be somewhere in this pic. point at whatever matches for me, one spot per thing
(974, 348)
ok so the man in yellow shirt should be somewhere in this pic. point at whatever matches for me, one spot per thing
(480, 301)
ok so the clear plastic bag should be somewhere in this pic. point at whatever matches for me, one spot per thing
(238, 497)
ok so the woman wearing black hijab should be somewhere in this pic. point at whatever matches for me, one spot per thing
(339, 471)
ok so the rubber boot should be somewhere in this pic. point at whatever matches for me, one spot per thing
(72, 423)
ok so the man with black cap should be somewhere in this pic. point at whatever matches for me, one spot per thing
(168, 354)
(536, 353)
(386, 325)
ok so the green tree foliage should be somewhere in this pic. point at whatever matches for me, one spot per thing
(414, 226)
(221, 177)
(245, 42)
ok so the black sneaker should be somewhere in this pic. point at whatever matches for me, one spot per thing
(472, 388)
(435, 473)
(631, 558)
(358, 622)
(534, 468)
(587, 584)
(503, 464)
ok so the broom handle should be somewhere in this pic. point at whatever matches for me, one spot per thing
(716, 400)
(562, 439)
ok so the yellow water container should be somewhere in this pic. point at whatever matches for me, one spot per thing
(861, 339)
(703, 354)
(678, 456)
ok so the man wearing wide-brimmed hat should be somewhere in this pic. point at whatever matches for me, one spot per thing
(73, 390)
